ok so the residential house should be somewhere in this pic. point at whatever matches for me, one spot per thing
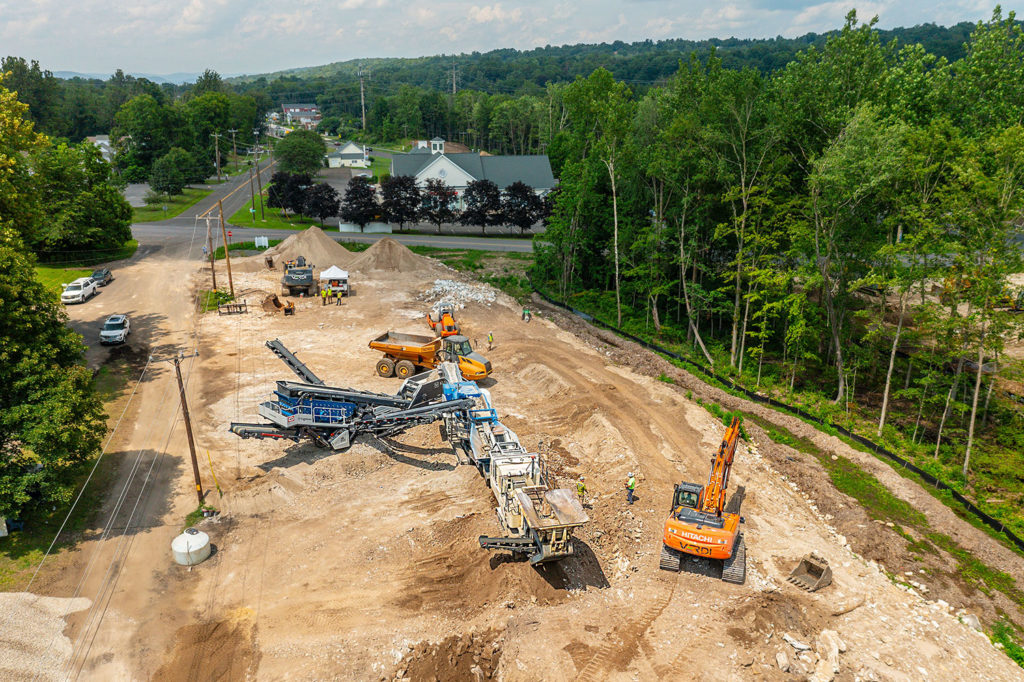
(458, 170)
(103, 143)
(348, 155)
(306, 115)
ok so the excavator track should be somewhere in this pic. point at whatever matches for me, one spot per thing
(671, 559)
(734, 569)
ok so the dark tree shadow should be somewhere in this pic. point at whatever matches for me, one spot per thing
(398, 452)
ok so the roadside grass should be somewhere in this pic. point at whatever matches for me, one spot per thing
(275, 219)
(176, 205)
(86, 259)
(52, 277)
(209, 299)
(218, 253)
(21, 551)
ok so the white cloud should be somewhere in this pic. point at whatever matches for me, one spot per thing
(493, 13)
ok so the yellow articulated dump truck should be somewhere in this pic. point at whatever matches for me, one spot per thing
(405, 354)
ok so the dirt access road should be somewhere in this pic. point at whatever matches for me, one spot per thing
(365, 564)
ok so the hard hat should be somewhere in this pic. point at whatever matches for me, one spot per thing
(631, 474)
(581, 477)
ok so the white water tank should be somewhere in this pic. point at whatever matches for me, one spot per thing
(191, 547)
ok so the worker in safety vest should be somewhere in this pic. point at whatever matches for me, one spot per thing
(630, 487)
(581, 491)
(323, 296)
(337, 297)
(490, 340)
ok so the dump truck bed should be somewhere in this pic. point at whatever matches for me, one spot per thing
(389, 342)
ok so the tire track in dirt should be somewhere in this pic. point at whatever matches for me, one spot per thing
(622, 644)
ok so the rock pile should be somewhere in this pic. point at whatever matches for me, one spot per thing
(313, 244)
(459, 293)
(388, 254)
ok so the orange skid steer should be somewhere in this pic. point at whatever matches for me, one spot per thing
(699, 524)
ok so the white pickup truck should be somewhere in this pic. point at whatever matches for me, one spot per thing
(79, 291)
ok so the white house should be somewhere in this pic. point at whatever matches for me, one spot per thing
(458, 170)
(306, 115)
(348, 155)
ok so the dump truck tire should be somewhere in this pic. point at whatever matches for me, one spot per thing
(385, 367)
(404, 369)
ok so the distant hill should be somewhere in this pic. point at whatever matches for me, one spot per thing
(515, 71)
(175, 78)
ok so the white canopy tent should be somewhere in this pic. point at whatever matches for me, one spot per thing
(333, 272)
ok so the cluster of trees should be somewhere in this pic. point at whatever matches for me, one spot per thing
(509, 101)
(62, 198)
(792, 227)
(51, 421)
(401, 201)
(147, 128)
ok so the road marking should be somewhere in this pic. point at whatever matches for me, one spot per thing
(225, 198)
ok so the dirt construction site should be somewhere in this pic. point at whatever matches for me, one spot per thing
(365, 564)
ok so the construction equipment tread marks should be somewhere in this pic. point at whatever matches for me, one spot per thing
(385, 367)
(734, 569)
(671, 559)
(404, 369)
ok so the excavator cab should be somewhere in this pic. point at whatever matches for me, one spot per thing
(687, 495)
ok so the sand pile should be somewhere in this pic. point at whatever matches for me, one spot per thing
(317, 247)
(388, 254)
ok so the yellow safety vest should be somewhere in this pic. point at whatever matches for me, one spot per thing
(632, 483)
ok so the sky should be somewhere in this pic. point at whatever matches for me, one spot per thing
(258, 36)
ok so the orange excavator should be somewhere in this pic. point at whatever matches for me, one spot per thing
(700, 524)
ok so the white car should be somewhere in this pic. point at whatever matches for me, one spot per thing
(79, 291)
(115, 330)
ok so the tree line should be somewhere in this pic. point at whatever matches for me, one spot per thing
(400, 200)
(51, 421)
(843, 227)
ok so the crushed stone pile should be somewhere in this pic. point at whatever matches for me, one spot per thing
(312, 243)
(388, 254)
(32, 641)
(459, 293)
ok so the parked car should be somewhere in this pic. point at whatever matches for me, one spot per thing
(115, 330)
(79, 291)
(102, 277)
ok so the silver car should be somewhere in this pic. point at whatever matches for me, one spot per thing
(115, 330)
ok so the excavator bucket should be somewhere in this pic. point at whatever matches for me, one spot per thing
(812, 573)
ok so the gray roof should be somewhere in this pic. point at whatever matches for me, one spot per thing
(341, 155)
(533, 170)
(437, 139)
(299, 106)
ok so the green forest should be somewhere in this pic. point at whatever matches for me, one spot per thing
(841, 233)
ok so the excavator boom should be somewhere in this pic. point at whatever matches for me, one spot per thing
(718, 480)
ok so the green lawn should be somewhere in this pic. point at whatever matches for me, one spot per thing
(175, 206)
(274, 219)
(52, 277)
(379, 165)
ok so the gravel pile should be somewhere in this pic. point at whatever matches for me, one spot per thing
(459, 293)
(32, 641)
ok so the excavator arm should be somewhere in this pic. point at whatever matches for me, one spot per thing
(713, 500)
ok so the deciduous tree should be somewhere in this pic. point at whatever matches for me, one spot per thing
(401, 199)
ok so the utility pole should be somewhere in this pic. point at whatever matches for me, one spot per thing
(227, 251)
(362, 98)
(188, 426)
(252, 196)
(216, 152)
(209, 243)
(259, 181)
(234, 149)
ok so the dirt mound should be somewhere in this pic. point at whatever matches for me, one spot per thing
(220, 650)
(466, 657)
(388, 254)
(312, 243)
